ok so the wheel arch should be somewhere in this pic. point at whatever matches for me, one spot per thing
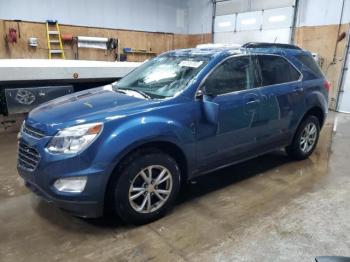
(316, 111)
(169, 147)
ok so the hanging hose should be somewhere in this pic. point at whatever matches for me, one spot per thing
(334, 59)
(338, 33)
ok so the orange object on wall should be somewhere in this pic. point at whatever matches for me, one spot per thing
(66, 37)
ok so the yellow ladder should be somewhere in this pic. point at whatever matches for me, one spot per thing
(54, 41)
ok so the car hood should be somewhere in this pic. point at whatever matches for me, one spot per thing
(95, 104)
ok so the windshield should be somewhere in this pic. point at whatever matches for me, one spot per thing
(162, 77)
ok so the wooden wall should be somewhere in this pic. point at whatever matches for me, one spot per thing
(322, 40)
(155, 42)
(318, 39)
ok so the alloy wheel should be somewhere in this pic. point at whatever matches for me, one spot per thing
(308, 138)
(150, 189)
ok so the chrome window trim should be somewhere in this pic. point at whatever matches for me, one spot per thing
(215, 67)
(239, 55)
(301, 76)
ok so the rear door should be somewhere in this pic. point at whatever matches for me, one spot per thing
(281, 99)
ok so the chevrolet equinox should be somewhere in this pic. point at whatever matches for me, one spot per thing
(129, 146)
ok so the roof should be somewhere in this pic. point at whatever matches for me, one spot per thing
(270, 45)
(207, 51)
(216, 49)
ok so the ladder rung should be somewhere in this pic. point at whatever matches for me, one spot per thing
(56, 51)
(53, 37)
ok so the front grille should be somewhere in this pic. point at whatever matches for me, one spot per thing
(28, 157)
(32, 131)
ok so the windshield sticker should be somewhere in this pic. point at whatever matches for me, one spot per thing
(194, 64)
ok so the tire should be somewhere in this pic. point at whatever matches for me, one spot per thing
(300, 150)
(134, 171)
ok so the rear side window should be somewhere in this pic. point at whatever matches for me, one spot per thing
(276, 70)
(310, 62)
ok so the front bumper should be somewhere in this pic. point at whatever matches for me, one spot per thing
(90, 202)
(86, 209)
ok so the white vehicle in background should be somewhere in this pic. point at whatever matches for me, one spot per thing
(27, 83)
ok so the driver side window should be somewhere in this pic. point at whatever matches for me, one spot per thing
(234, 74)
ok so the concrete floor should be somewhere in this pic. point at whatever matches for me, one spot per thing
(266, 209)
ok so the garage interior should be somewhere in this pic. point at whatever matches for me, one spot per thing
(266, 209)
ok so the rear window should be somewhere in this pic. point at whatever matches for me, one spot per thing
(310, 63)
(276, 70)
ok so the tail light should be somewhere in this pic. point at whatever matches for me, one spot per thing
(327, 86)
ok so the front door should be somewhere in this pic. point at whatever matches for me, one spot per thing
(230, 106)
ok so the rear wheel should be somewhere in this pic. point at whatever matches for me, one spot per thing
(147, 187)
(305, 139)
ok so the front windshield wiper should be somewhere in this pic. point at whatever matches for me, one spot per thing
(121, 90)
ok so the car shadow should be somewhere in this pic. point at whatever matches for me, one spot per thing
(213, 181)
(230, 175)
(196, 187)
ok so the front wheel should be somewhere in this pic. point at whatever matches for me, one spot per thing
(305, 139)
(147, 187)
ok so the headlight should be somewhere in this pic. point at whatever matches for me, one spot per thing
(74, 139)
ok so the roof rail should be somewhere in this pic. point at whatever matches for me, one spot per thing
(218, 45)
(270, 45)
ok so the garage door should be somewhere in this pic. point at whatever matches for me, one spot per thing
(242, 21)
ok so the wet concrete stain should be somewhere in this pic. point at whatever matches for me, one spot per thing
(266, 209)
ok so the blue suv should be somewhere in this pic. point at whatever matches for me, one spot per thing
(128, 147)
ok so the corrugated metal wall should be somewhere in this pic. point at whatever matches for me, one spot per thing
(322, 12)
(199, 16)
(143, 15)
(172, 16)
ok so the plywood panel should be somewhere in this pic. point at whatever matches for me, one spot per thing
(189, 41)
(21, 48)
(154, 42)
(180, 41)
(322, 40)
(194, 40)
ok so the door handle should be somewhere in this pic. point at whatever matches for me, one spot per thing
(253, 101)
(298, 90)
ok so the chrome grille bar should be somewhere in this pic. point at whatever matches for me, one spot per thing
(28, 157)
(32, 131)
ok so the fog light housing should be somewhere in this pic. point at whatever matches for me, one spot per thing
(71, 184)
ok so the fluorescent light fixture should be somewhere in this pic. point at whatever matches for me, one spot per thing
(277, 18)
(225, 24)
(249, 21)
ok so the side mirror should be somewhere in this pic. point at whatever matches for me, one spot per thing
(199, 94)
